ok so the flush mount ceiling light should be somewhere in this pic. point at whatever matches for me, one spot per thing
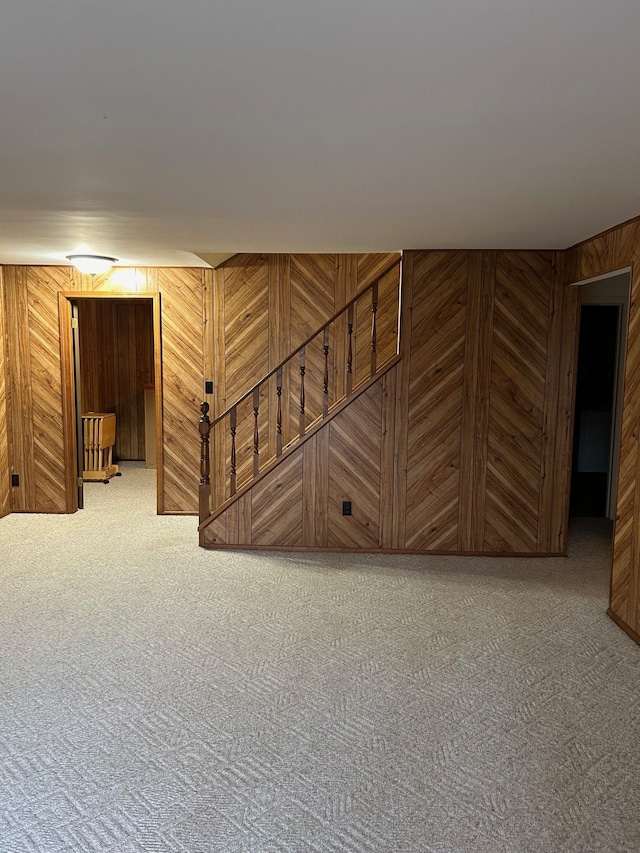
(92, 264)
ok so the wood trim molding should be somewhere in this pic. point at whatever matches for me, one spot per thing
(5, 437)
(219, 510)
(157, 372)
(68, 398)
(622, 624)
(224, 546)
(68, 404)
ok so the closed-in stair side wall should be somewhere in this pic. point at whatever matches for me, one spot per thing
(260, 309)
(4, 429)
(299, 503)
(615, 249)
(462, 447)
(36, 423)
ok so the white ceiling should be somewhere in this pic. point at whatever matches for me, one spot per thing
(154, 129)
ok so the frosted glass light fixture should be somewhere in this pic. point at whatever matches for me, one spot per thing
(92, 264)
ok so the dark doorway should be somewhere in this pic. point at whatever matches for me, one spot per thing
(594, 415)
(114, 374)
(117, 365)
(115, 348)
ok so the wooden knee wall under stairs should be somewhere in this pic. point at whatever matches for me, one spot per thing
(462, 447)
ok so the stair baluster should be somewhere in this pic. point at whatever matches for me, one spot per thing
(318, 368)
(279, 412)
(374, 328)
(205, 483)
(302, 400)
(350, 350)
(256, 433)
(233, 422)
(325, 385)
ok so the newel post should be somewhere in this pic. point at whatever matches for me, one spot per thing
(204, 428)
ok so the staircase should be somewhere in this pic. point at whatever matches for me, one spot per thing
(252, 439)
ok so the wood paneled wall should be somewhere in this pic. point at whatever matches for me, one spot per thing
(614, 249)
(299, 505)
(35, 383)
(116, 362)
(260, 309)
(462, 447)
(35, 379)
(181, 294)
(492, 356)
(5, 507)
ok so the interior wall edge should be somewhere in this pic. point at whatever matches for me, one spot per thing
(5, 506)
(617, 248)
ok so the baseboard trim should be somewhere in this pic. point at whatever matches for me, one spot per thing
(223, 546)
(622, 624)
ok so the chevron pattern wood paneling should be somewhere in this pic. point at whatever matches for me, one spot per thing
(299, 504)
(35, 382)
(475, 403)
(313, 301)
(518, 374)
(463, 445)
(354, 473)
(43, 284)
(628, 243)
(5, 506)
(246, 329)
(22, 498)
(370, 266)
(564, 323)
(182, 364)
(276, 506)
(313, 294)
(246, 350)
(624, 575)
(387, 317)
(609, 251)
(620, 247)
(262, 308)
(435, 399)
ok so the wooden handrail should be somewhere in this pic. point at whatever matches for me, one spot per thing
(274, 437)
(287, 451)
(292, 355)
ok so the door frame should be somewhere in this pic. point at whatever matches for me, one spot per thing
(622, 303)
(69, 413)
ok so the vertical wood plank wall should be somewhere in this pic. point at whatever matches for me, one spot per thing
(116, 362)
(34, 377)
(5, 507)
(614, 249)
(455, 449)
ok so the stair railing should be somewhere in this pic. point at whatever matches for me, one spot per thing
(340, 349)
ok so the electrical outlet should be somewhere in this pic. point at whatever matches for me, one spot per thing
(15, 479)
(346, 507)
(208, 387)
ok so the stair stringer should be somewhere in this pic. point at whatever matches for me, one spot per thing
(297, 503)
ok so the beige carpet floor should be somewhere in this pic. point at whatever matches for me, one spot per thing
(157, 697)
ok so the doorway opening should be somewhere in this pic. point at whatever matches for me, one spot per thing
(598, 406)
(112, 365)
